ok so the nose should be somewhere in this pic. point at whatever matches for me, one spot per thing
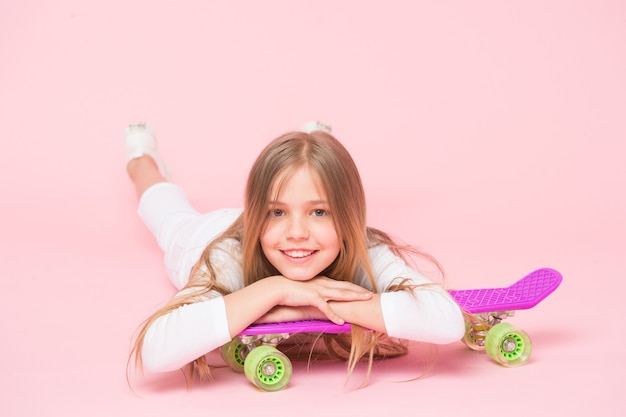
(297, 229)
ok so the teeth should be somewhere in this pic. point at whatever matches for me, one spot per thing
(298, 253)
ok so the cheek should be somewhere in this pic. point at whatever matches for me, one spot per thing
(330, 237)
(268, 238)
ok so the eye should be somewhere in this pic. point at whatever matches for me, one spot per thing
(319, 213)
(277, 213)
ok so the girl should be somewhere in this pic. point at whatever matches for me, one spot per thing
(299, 249)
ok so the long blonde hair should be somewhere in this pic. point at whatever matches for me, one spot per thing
(335, 169)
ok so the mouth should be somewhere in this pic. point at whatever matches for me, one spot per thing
(298, 254)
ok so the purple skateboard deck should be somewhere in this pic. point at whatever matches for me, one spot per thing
(524, 294)
(305, 326)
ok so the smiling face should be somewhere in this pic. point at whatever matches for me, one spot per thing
(300, 239)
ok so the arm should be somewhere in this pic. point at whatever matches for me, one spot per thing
(428, 314)
(365, 313)
(314, 296)
(190, 331)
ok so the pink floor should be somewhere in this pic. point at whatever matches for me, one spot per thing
(491, 134)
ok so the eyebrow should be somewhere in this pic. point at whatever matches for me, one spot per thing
(311, 202)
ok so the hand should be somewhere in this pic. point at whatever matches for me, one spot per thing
(317, 293)
(280, 314)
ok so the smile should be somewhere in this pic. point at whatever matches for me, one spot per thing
(298, 253)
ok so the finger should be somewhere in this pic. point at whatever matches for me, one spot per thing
(346, 295)
(332, 284)
(345, 285)
(326, 309)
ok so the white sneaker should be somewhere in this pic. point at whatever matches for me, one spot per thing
(315, 125)
(140, 141)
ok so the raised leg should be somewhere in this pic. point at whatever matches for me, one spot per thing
(145, 166)
(144, 173)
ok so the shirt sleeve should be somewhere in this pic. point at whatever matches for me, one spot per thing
(428, 314)
(194, 329)
(185, 334)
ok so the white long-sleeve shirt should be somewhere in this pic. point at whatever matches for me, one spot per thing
(429, 314)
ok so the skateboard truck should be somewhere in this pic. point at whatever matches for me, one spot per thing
(478, 325)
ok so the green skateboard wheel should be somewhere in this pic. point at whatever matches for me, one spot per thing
(508, 345)
(234, 354)
(268, 368)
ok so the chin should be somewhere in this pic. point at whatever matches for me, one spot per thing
(299, 277)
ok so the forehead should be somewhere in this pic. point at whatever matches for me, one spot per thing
(297, 182)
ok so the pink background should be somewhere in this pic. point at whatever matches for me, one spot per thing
(491, 134)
